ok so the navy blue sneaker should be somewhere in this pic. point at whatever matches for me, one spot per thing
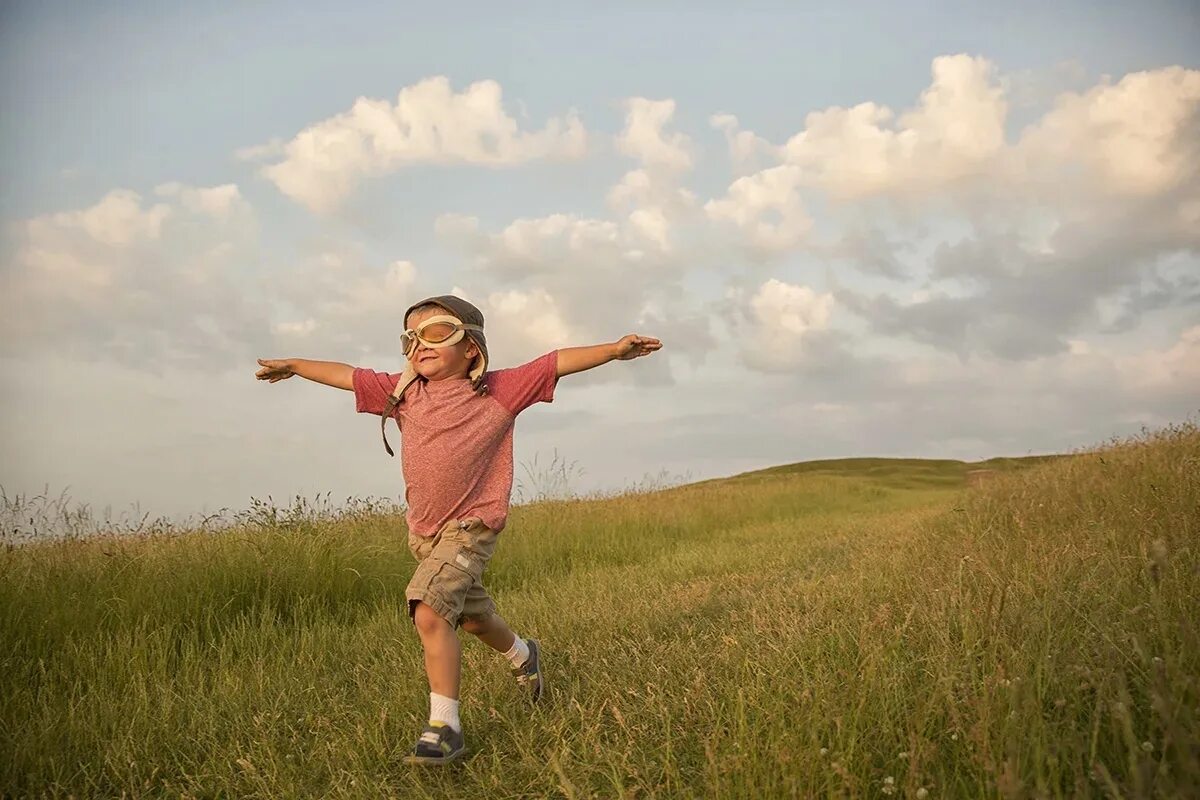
(439, 744)
(529, 674)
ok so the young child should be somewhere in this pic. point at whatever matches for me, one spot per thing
(456, 425)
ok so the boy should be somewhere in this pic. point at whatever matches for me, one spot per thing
(456, 423)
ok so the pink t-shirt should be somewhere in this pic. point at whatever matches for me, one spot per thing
(456, 447)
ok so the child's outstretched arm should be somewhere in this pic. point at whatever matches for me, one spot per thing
(577, 359)
(330, 373)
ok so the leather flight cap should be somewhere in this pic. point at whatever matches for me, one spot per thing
(470, 316)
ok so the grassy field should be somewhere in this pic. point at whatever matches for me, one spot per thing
(847, 629)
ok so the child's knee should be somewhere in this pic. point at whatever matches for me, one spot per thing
(426, 619)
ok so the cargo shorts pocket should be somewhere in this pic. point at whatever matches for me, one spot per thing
(448, 570)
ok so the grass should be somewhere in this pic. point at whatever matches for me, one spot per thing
(862, 628)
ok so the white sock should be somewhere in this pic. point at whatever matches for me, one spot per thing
(518, 654)
(444, 709)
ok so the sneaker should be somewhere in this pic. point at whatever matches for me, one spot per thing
(529, 674)
(439, 744)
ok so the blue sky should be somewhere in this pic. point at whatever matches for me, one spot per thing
(995, 257)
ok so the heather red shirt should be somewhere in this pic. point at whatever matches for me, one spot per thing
(456, 446)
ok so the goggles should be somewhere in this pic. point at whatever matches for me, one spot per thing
(442, 330)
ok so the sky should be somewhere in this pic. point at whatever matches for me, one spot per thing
(945, 230)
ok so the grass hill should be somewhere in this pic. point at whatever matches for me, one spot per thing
(896, 472)
(855, 628)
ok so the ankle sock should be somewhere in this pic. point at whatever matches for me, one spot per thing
(444, 709)
(518, 654)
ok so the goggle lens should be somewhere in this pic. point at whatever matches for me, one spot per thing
(436, 332)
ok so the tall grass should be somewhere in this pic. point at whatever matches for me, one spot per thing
(881, 633)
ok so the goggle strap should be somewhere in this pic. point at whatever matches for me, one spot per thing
(407, 379)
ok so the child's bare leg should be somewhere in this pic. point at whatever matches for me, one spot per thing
(443, 654)
(492, 630)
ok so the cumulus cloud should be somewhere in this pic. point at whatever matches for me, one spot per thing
(781, 325)
(1135, 137)
(644, 137)
(222, 201)
(746, 148)
(766, 210)
(522, 325)
(132, 281)
(955, 131)
(1084, 208)
(429, 123)
(117, 220)
(341, 302)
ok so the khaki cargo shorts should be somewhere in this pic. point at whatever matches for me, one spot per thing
(450, 570)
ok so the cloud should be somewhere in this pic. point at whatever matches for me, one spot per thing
(133, 282)
(746, 149)
(117, 220)
(429, 123)
(645, 139)
(342, 301)
(766, 210)
(1135, 137)
(781, 325)
(525, 324)
(220, 202)
(1174, 370)
(955, 131)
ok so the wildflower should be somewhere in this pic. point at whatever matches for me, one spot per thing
(954, 737)
(889, 785)
(903, 754)
(1148, 747)
(824, 751)
(922, 793)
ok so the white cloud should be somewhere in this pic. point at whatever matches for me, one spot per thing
(220, 202)
(654, 205)
(779, 323)
(746, 148)
(130, 281)
(1175, 369)
(786, 309)
(341, 301)
(766, 209)
(645, 139)
(429, 123)
(524, 324)
(641, 188)
(1135, 137)
(954, 132)
(552, 244)
(117, 220)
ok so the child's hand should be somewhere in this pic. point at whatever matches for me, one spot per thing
(274, 369)
(632, 346)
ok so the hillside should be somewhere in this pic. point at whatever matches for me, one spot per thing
(864, 629)
(896, 472)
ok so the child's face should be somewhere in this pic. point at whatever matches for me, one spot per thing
(438, 363)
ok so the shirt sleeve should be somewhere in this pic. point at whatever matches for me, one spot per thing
(520, 387)
(372, 390)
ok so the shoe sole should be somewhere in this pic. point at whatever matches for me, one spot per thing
(429, 760)
(541, 673)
